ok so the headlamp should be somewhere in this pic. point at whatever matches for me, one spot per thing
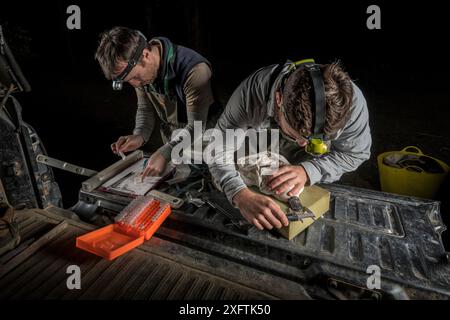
(117, 83)
(317, 144)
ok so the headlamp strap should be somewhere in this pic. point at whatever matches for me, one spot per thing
(134, 57)
(319, 99)
(319, 94)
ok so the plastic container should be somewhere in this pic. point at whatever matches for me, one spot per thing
(137, 222)
(108, 242)
(142, 217)
(407, 181)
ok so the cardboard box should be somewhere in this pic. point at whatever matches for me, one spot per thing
(315, 199)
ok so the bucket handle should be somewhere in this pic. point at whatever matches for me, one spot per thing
(416, 150)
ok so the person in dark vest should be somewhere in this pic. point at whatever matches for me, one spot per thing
(169, 79)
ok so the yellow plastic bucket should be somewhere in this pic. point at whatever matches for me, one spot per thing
(407, 182)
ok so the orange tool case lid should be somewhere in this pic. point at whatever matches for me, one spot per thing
(137, 222)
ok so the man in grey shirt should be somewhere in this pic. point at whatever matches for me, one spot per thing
(280, 96)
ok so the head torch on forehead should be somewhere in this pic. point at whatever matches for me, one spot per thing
(117, 83)
(318, 144)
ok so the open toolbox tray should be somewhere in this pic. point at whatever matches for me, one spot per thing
(136, 223)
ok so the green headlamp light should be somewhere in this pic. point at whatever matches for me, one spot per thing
(317, 147)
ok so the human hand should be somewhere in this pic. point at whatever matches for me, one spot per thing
(260, 210)
(288, 178)
(127, 143)
(155, 165)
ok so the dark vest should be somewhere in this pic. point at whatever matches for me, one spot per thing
(176, 64)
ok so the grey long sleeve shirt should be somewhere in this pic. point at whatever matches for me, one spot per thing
(252, 105)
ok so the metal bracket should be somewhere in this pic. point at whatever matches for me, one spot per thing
(173, 201)
(64, 165)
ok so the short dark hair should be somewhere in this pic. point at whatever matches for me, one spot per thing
(298, 94)
(116, 45)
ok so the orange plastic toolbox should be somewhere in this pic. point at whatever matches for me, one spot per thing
(136, 223)
(108, 242)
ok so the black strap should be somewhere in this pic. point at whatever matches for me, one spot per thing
(319, 93)
(319, 98)
(134, 59)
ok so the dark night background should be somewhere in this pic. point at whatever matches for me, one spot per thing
(402, 69)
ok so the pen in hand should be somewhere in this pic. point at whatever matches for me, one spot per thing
(144, 164)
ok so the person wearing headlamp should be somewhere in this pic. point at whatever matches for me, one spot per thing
(170, 80)
(324, 124)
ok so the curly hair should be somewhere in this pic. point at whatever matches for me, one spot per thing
(298, 94)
